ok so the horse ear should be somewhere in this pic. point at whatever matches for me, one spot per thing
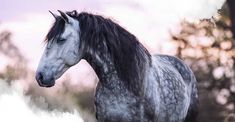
(54, 15)
(65, 17)
(74, 12)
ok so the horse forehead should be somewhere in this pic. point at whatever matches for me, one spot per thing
(68, 30)
(73, 26)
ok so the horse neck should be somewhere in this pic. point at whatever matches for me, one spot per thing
(113, 52)
(104, 69)
(109, 75)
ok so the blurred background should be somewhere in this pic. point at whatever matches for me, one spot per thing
(198, 31)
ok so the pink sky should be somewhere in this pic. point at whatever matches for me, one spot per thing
(150, 20)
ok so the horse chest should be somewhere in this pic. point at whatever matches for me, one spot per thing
(116, 106)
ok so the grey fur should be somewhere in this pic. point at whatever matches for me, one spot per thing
(169, 90)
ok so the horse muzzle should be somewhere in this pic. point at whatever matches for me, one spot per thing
(45, 80)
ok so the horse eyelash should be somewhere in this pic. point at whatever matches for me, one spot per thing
(60, 40)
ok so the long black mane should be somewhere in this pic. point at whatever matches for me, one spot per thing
(97, 33)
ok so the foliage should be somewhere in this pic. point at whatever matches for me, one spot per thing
(16, 68)
(207, 47)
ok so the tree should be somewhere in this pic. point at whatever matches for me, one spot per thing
(207, 48)
(231, 5)
(17, 68)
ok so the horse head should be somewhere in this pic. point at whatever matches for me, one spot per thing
(61, 50)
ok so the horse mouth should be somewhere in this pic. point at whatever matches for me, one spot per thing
(45, 85)
(48, 84)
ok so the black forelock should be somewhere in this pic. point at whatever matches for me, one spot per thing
(56, 30)
(58, 27)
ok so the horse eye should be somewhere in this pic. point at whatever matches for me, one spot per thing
(61, 40)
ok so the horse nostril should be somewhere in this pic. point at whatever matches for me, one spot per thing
(44, 80)
(39, 77)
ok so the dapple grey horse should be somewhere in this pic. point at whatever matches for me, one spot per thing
(134, 86)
